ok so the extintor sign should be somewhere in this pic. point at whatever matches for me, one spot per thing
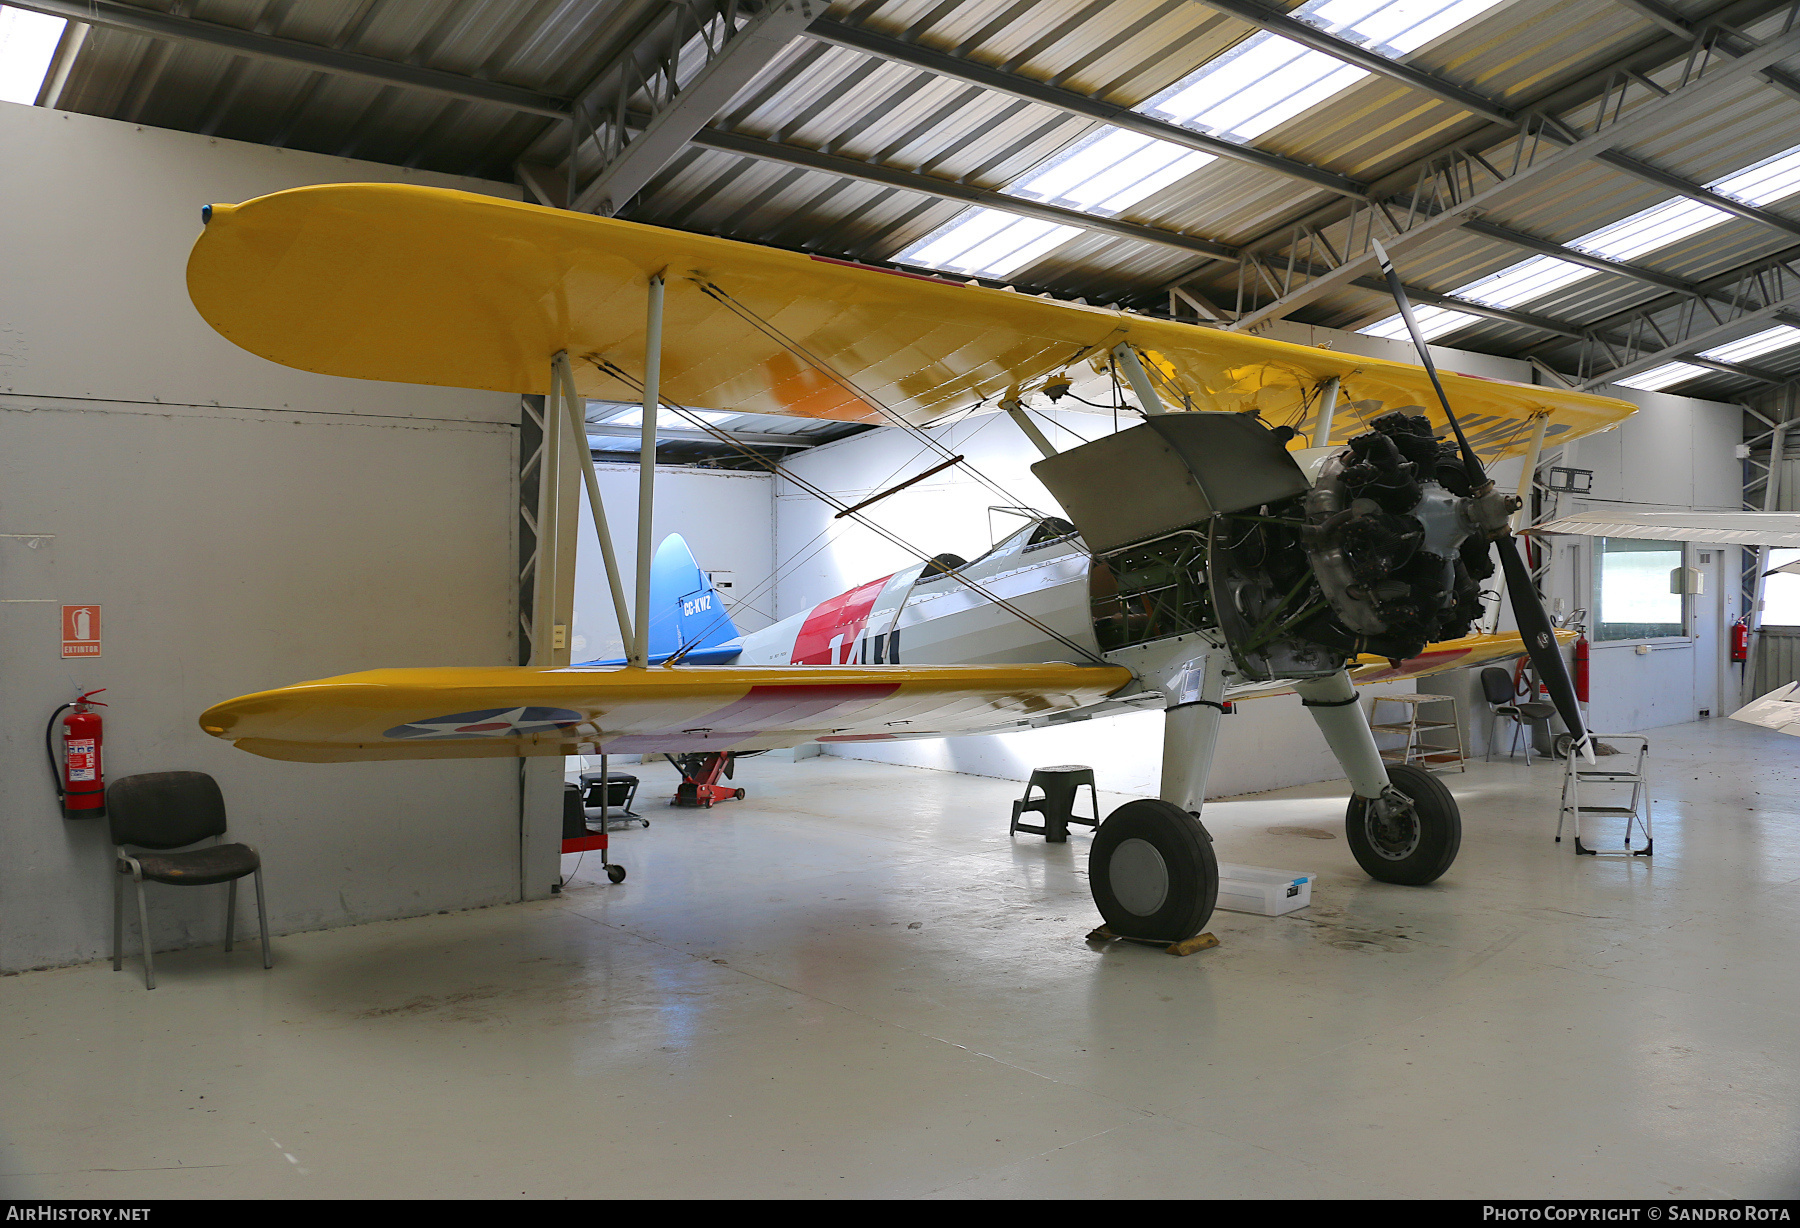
(81, 631)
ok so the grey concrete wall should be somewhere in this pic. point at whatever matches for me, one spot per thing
(243, 526)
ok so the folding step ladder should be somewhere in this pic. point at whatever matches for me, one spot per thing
(1577, 774)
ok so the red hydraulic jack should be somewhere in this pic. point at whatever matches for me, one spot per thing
(700, 779)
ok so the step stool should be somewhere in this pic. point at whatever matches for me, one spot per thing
(1576, 774)
(1059, 786)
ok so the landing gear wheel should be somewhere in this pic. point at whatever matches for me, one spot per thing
(1413, 844)
(1152, 872)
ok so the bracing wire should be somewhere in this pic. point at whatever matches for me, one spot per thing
(827, 497)
(725, 299)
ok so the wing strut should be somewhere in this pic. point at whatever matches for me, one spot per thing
(562, 387)
(653, 327)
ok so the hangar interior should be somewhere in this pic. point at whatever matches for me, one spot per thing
(853, 981)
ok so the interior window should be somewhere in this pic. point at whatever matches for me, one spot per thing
(1634, 599)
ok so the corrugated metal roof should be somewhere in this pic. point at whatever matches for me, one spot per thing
(828, 98)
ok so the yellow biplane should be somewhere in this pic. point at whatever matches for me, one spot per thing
(1221, 548)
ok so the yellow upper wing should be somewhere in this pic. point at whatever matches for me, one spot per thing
(430, 286)
(483, 711)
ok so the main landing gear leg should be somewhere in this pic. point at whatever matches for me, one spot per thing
(1151, 869)
(1403, 825)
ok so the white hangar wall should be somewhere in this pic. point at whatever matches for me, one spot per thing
(1674, 454)
(242, 526)
(1679, 448)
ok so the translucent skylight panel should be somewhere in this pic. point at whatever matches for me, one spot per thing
(1653, 228)
(27, 45)
(1658, 378)
(1015, 246)
(944, 246)
(667, 418)
(1768, 181)
(1765, 342)
(1393, 27)
(1262, 82)
(1109, 171)
(1433, 322)
(1524, 281)
(1627, 239)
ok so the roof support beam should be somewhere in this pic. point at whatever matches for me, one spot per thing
(942, 64)
(1693, 191)
(1560, 328)
(1669, 108)
(1715, 287)
(137, 20)
(1738, 369)
(1414, 78)
(1666, 17)
(1558, 251)
(734, 53)
(949, 189)
(761, 439)
(1689, 332)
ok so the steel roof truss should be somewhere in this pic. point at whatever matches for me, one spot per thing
(733, 42)
(943, 64)
(161, 25)
(1456, 187)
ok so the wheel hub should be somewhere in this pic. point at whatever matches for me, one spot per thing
(1139, 877)
(1393, 825)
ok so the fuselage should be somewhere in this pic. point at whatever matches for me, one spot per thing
(923, 615)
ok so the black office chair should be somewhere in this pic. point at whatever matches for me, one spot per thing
(167, 810)
(1497, 685)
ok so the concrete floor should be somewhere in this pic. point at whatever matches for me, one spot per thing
(854, 985)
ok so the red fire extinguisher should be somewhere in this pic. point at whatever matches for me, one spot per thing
(1581, 669)
(1740, 639)
(80, 786)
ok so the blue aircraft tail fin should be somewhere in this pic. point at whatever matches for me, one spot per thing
(686, 611)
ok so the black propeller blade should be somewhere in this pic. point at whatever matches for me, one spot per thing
(1535, 627)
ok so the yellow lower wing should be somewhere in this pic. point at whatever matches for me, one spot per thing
(506, 711)
(1465, 653)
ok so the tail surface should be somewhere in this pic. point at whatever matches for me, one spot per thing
(687, 614)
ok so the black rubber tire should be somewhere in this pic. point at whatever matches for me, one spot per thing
(1440, 830)
(1186, 852)
(616, 872)
(740, 795)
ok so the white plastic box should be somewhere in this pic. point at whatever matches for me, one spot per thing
(1267, 893)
